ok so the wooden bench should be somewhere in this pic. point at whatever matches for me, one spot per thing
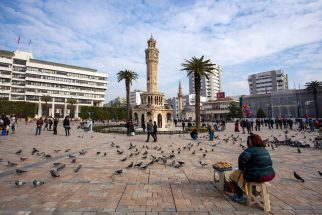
(262, 199)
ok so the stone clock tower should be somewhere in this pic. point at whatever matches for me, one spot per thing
(153, 106)
(151, 58)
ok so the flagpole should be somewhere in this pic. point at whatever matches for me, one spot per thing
(19, 43)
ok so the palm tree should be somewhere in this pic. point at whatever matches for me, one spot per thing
(72, 103)
(313, 87)
(198, 67)
(46, 99)
(128, 76)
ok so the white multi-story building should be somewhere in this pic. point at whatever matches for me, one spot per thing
(135, 97)
(23, 78)
(266, 82)
(209, 87)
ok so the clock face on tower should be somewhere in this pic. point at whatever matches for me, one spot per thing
(155, 55)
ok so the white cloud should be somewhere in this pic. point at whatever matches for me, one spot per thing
(111, 36)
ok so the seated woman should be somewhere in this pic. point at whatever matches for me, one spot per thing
(254, 164)
(194, 134)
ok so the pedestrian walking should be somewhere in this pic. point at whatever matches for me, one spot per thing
(50, 122)
(55, 125)
(183, 125)
(39, 124)
(149, 128)
(46, 124)
(155, 130)
(66, 125)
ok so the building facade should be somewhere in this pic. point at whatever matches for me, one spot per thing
(23, 78)
(135, 97)
(287, 103)
(153, 106)
(266, 82)
(118, 102)
(216, 109)
(209, 87)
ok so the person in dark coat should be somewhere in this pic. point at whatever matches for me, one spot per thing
(149, 129)
(155, 130)
(39, 124)
(66, 125)
(55, 125)
(254, 164)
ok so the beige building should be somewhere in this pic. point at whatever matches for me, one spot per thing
(152, 102)
(216, 109)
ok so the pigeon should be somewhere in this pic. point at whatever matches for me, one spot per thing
(11, 163)
(105, 154)
(130, 165)
(124, 159)
(67, 150)
(144, 157)
(82, 152)
(119, 152)
(57, 164)
(34, 150)
(19, 183)
(202, 164)
(74, 160)
(57, 150)
(71, 156)
(54, 173)
(144, 166)
(130, 155)
(298, 150)
(117, 146)
(138, 164)
(194, 152)
(97, 153)
(37, 183)
(19, 171)
(146, 152)
(18, 152)
(320, 173)
(118, 171)
(204, 155)
(61, 167)
(298, 177)
(78, 168)
(48, 156)
(23, 159)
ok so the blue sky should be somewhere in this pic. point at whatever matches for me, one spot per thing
(243, 37)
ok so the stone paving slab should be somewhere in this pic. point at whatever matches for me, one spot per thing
(159, 189)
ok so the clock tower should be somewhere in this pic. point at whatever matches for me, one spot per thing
(151, 58)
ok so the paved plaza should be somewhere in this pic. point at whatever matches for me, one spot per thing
(158, 189)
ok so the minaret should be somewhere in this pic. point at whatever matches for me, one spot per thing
(180, 94)
(151, 58)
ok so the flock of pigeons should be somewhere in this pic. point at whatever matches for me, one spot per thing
(148, 156)
(54, 172)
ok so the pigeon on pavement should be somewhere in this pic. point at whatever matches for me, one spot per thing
(298, 177)
(19, 183)
(37, 183)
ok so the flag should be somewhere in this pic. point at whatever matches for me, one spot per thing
(30, 42)
(19, 39)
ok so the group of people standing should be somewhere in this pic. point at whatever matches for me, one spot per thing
(280, 123)
(40, 122)
(6, 124)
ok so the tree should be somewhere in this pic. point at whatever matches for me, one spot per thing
(72, 102)
(313, 87)
(18, 108)
(198, 67)
(46, 99)
(128, 76)
(260, 113)
(234, 111)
